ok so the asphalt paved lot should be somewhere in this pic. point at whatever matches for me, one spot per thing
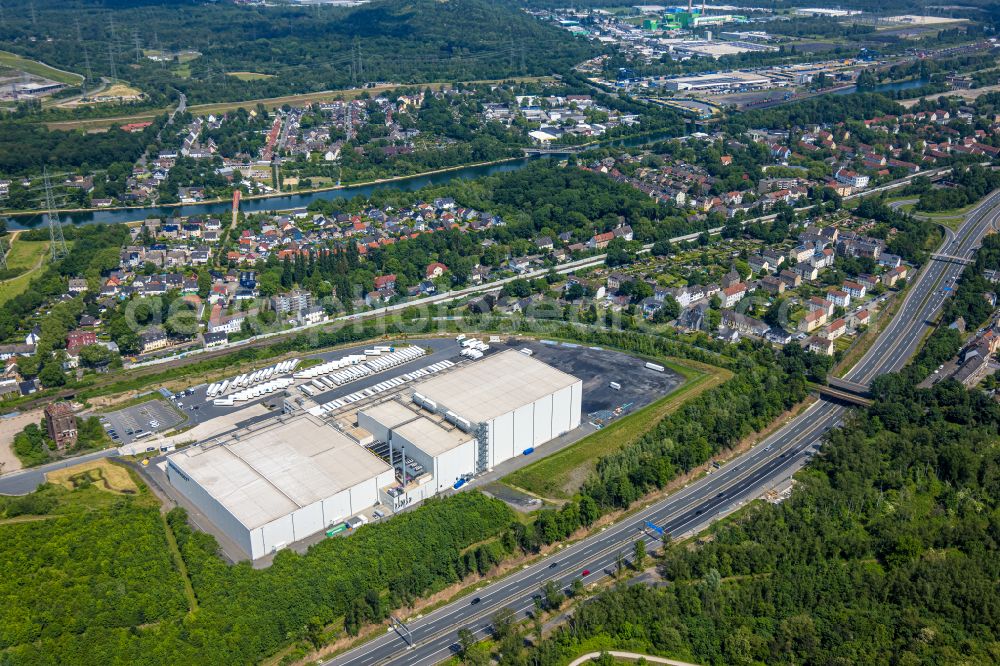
(598, 368)
(142, 417)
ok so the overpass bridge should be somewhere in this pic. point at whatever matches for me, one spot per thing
(951, 259)
(844, 391)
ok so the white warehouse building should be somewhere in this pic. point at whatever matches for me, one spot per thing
(287, 481)
(467, 421)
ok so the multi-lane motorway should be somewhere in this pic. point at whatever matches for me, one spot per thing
(432, 637)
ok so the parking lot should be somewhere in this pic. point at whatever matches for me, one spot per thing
(597, 368)
(129, 423)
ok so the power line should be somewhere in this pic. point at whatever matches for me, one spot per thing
(57, 242)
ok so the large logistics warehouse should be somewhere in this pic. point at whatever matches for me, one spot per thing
(289, 480)
(465, 422)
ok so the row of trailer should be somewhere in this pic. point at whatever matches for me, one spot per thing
(355, 366)
(251, 379)
(381, 387)
(471, 347)
(254, 392)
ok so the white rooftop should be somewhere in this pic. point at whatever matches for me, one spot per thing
(390, 413)
(495, 385)
(431, 438)
(279, 469)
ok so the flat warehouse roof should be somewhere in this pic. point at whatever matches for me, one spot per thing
(494, 385)
(283, 467)
(431, 438)
(390, 413)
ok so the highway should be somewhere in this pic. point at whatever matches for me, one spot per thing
(431, 638)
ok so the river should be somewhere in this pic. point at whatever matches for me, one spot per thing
(886, 87)
(302, 200)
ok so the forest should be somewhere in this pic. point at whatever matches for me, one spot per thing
(886, 553)
(301, 48)
(26, 149)
(245, 615)
(816, 110)
(971, 184)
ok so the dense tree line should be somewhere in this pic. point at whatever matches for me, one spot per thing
(825, 109)
(25, 149)
(243, 614)
(94, 566)
(303, 48)
(906, 235)
(886, 553)
(970, 185)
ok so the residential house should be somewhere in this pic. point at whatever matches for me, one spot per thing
(211, 340)
(772, 285)
(77, 340)
(894, 275)
(837, 328)
(77, 285)
(839, 298)
(806, 271)
(855, 289)
(820, 345)
(791, 278)
(812, 320)
(817, 303)
(293, 301)
(436, 270)
(600, 241)
(152, 339)
(733, 295)
(854, 179)
(744, 324)
(385, 282)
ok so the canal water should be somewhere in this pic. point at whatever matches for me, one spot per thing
(302, 200)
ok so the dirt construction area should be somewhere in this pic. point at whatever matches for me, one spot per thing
(10, 425)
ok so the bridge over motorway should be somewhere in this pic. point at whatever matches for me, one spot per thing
(846, 391)
(937, 256)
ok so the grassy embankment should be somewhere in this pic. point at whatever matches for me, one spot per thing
(27, 255)
(36, 68)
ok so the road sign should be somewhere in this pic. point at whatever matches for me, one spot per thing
(655, 528)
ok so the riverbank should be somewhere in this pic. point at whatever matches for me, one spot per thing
(302, 198)
(274, 195)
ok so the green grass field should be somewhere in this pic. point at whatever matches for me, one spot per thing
(29, 255)
(561, 474)
(249, 76)
(15, 61)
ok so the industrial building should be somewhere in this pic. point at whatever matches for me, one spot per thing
(298, 475)
(718, 82)
(282, 483)
(465, 422)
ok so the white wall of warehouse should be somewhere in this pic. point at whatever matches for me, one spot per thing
(452, 465)
(212, 509)
(298, 525)
(535, 423)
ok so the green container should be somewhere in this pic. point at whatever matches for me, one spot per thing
(336, 529)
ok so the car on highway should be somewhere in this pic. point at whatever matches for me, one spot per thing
(586, 572)
(553, 565)
(476, 601)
